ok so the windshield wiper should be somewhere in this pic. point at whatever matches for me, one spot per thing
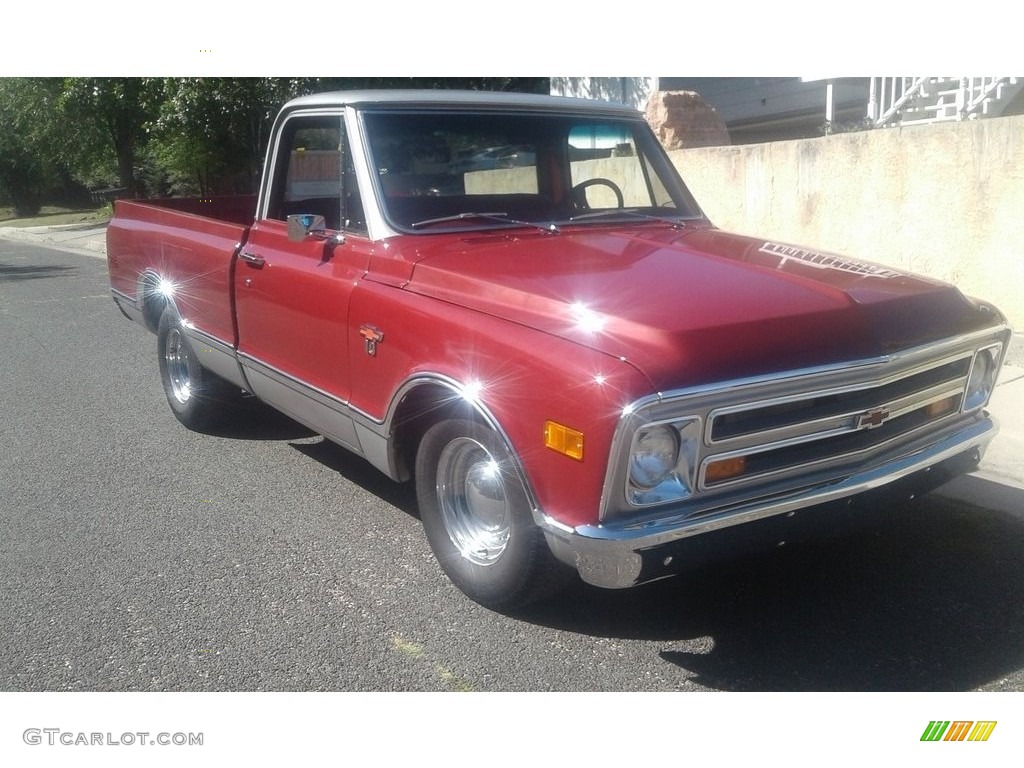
(498, 216)
(678, 222)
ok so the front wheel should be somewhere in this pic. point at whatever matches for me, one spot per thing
(198, 398)
(477, 517)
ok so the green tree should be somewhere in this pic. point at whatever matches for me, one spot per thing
(211, 133)
(204, 135)
(29, 165)
(112, 114)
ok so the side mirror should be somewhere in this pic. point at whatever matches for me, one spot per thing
(303, 225)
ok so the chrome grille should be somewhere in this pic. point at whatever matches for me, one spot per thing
(769, 436)
(826, 425)
(838, 407)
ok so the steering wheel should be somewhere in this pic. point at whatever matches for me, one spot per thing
(580, 197)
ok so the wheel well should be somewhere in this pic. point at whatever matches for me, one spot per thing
(152, 300)
(419, 409)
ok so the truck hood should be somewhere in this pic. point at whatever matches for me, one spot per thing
(695, 306)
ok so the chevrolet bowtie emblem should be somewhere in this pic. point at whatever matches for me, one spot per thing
(872, 419)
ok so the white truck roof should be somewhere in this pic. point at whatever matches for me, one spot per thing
(452, 98)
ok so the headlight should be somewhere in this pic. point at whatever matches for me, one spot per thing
(983, 377)
(662, 462)
(655, 453)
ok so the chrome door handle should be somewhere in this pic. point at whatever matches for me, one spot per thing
(252, 259)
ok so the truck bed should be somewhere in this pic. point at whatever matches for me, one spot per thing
(192, 242)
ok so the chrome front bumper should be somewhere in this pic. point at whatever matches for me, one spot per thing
(628, 553)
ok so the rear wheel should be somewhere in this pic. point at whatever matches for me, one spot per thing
(477, 517)
(198, 398)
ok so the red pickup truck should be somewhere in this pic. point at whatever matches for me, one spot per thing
(514, 302)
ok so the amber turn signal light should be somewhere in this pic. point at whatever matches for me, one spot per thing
(560, 438)
(942, 407)
(725, 469)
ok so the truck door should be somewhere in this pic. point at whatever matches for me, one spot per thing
(292, 298)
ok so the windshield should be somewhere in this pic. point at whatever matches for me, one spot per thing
(441, 171)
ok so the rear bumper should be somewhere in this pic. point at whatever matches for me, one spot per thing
(618, 556)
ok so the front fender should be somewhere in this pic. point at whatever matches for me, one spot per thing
(515, 378)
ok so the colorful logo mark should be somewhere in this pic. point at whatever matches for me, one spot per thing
(958, 730)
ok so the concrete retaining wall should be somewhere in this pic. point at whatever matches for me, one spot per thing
(942, 200)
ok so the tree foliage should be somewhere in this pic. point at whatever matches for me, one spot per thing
(160, 135)
(30, 161)
(113, 114)
(211, 132)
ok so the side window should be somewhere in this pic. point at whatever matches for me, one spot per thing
(314, 174)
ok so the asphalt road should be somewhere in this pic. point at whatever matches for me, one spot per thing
(137, 556)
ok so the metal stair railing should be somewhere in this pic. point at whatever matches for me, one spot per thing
(980, 92)
(888, 96)
(910, 100)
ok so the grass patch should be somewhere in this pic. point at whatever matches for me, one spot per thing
(52, 215)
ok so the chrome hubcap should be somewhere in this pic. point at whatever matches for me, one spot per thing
(178, 361)
(473, 500)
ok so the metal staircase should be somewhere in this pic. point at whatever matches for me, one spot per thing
(912, 100)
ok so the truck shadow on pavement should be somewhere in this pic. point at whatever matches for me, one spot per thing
(253, 420)
(357, 470)
(934, 602)
(931, 598)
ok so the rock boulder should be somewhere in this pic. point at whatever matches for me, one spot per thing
(682, 120)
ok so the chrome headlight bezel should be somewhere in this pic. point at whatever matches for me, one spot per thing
(981, 381)
(662, 461)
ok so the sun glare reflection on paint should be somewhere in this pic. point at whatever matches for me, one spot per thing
(587, 320)
(182, 292)
(471, 391)
(166, 288)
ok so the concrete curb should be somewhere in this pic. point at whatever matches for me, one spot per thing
(85, 238)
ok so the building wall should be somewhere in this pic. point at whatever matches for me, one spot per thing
(943, 200)
(759, 109)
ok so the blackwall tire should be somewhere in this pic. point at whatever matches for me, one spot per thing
(478, 520)
(198, 398)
